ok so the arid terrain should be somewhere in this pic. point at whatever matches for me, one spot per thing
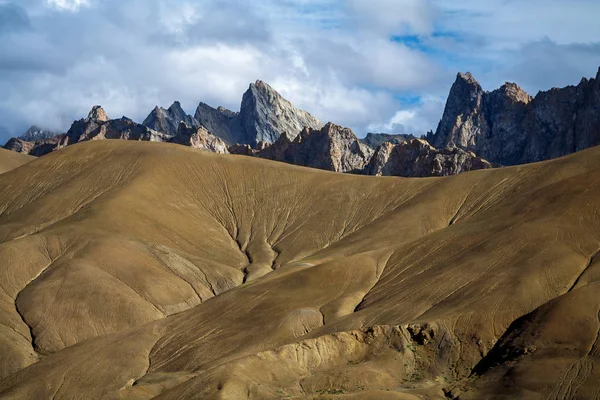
(11, 160)
(140, 270)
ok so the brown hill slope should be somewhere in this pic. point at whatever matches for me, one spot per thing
(135, 270)
(11, 160)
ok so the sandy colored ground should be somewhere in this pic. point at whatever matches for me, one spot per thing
(10, 160)
(139, 270)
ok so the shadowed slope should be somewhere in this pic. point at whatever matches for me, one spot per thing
(134, 255)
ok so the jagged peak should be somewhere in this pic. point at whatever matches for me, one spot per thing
(466, 77)
(98, 114)
(175, 106)
(515, 92)
(261, 84)
(262, 88)
(598, 74)
(36, 132)
(226, 111)
(333, 129)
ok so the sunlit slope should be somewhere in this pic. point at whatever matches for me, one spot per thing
(184, 274)
(11, 160)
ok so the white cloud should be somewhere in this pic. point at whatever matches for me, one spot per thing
(69, 5)
(395, 16)
(334, 59)
(416, 119)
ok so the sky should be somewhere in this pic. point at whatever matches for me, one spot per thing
(372, 65)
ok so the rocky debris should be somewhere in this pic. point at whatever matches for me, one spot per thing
(167, 121)
(35, 133)
(332, 148)
(509, 127)
(374, 140)
(264, 115)
(417, 158)
(199, 138)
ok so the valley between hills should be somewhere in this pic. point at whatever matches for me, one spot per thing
(140, 270)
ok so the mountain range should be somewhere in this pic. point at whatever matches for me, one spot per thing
(478, 130)
(173, 262)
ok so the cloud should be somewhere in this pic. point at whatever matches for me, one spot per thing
(68, 5)
(415, 119)
(13, 18)
(348, 62)
(394, 16)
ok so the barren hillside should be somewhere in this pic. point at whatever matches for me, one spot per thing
(146, 270)
(11, 160)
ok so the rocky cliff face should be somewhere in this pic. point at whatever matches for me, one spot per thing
(374, 140)
(264, 115)
(34, 148)
(507, 126)
(224, 123)
(199, 138)
(167, 121)
(417, 158)
(332, 148)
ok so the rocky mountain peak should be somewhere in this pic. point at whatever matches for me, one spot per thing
(167, 120)
(515, 93)
(175, 106)
(467, 77)
(465, 86)
(98, 114)
(265, 114)
(507, 126)
(35, 133)
(261, 85)
(461, 113)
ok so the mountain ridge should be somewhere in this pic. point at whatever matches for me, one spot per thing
(505, 126)
(509, 127)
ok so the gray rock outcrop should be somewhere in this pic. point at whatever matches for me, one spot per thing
(509, 127)
(224, 123)
(332, 148)
(374, 140)
(199, 138)
(417, 158)
(264, 115)
(167, 120)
